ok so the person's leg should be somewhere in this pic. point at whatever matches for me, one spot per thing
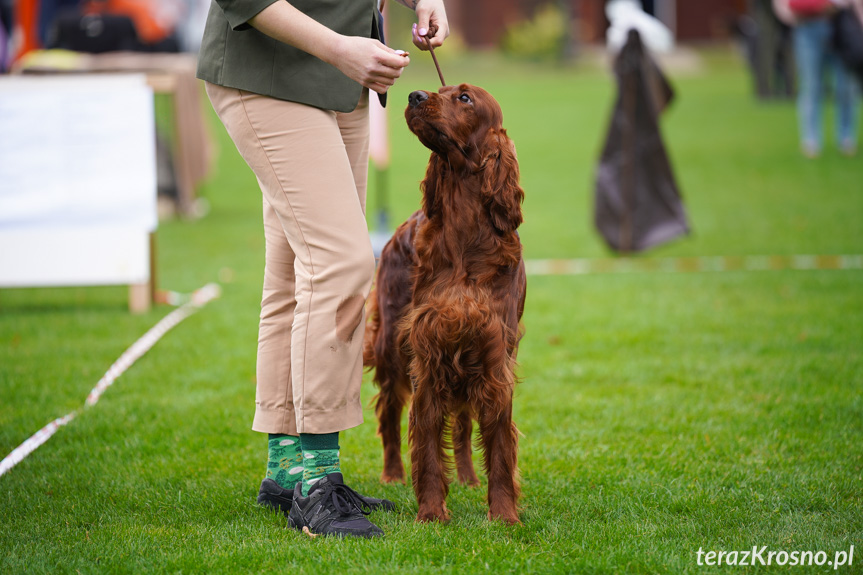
(307, 177)
(274, 402)
(354, 128)
(321, 451)
(300, 159)
(274, 410)
(847, 106)
(809, 53)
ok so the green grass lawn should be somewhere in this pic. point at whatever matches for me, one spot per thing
(662, 413)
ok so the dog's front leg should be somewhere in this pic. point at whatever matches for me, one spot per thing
(500, 442)
(428, 465)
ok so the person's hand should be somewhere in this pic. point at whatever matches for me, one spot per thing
(431, 24)
(370, 63)
(363, 60)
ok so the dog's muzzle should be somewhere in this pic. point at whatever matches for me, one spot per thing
(417, 98)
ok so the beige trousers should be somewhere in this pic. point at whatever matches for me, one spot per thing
(312, 167)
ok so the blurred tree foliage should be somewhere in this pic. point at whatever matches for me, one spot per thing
(542, 37)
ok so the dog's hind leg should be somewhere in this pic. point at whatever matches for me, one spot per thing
(382, 348)
(462, 430)
(395, 392)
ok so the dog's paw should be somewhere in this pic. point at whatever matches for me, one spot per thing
(428, 513)
(470, 481)
(394, 471)
(508, 517)
(392, 477)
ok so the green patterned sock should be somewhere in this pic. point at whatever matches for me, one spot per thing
(285, 461)
(320, 457)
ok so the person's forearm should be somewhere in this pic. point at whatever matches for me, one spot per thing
(364, 60)
(285, 23)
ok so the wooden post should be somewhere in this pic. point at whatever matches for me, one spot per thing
(142, 295)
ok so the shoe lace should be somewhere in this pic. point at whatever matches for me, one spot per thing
(346, 500)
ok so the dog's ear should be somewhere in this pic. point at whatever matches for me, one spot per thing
(501, 191)
(431, 197)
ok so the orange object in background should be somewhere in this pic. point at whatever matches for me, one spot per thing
(152, 21)
(25, 29)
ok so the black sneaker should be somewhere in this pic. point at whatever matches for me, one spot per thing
(278, 498)
(332, 508)
(377, 504)
(275, 496)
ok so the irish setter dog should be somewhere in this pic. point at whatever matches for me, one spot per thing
(444, 316)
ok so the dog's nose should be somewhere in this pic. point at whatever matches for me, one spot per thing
(417, 98)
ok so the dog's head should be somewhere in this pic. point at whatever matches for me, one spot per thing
(463, 125)
(455, 121)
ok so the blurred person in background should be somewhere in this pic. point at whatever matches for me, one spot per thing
(4, 41)
(290, 82)
(814, 54)
(769, 50)
(97, 26)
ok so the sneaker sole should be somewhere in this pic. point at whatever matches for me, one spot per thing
(274, 502)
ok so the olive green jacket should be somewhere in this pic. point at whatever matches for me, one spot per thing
(235, 55)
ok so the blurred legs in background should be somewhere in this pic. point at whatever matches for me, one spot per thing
(814, 54)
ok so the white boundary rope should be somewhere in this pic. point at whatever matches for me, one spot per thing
(534, 267)
(197, 300)
(693, 264)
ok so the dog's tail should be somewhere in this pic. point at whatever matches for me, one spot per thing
(373, 325)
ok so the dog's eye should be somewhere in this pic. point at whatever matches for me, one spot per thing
(465, 98)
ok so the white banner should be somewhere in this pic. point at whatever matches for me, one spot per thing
(77, 179)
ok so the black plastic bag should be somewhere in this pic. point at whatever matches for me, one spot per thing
(637, 202)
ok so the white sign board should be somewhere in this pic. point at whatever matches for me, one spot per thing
(77, 180)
